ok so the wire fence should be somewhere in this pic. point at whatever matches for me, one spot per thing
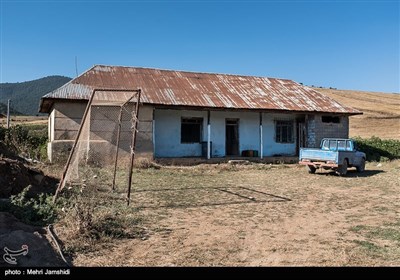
(104, 149)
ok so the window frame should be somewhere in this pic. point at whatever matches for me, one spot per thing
(192, 121)
(280, 126)
(331, 119)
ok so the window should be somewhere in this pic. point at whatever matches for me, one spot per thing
(330, 119)
(325, 145)
(284, 132)
(341, 145)
(191, 130)
(332, 145)
(348, 146)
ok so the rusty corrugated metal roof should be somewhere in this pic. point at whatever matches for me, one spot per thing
(180, 88)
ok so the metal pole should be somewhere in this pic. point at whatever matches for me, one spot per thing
(8, 113)
(133, 144)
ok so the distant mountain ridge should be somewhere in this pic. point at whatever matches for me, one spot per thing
(25, 96)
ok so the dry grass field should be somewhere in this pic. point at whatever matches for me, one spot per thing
(254, 215)
(25, 120)
(381, 116)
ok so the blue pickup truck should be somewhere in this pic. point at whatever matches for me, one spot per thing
(336, 154)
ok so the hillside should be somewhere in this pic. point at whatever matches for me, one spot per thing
(25, 96)
(381, 112)
(3, 110)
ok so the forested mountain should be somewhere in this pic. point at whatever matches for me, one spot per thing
(25, 96)
(3, 110)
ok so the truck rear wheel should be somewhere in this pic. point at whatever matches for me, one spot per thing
(342, 170)
(361, 167)
(311, 169)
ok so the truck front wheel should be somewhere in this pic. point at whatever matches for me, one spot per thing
(342, 170)
(311, 169)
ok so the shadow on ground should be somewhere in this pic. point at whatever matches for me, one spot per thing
(352, 173)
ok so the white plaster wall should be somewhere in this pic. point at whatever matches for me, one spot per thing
(249, 132)
(168, 133)
(270, 147)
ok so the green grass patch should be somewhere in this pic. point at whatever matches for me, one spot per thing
(370, 247)
(388, 234)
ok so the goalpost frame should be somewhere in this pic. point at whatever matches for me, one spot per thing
(133, 142)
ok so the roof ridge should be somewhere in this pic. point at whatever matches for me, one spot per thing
(191, 72)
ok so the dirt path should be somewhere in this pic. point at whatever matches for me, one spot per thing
(289, 218)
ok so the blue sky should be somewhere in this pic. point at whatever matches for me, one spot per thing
(342, 44)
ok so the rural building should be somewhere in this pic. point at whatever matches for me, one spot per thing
(188, 114)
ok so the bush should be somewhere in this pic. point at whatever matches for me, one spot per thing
(2, 133)
(29, 141)
(377, 149)
(36, 211)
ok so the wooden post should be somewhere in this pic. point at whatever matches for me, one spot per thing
(133, 144)
(117, 145)
(118, 140)
(154, 134)
(8, 113)
(261, 137)
(208, 136)
(62, 181)
(85, 114)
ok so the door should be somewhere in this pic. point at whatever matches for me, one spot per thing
(301, 136)
(232, 137)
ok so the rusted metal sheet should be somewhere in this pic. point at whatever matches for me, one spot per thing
(179, 88)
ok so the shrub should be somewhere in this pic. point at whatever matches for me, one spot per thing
(2, 133)
(30, 141)
(377, 149)
(37, 211)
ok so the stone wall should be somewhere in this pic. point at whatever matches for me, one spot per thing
(317, 129)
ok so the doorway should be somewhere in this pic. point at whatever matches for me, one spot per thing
(301, 135)
(232, 137)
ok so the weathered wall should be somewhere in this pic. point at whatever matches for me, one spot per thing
(168, 133)
(64, 122)
(317, 130)
(65, 119)
(270, 147)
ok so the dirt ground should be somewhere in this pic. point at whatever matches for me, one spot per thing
(260, 215)
(15, 234)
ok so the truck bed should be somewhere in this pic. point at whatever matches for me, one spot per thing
(318, 155)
